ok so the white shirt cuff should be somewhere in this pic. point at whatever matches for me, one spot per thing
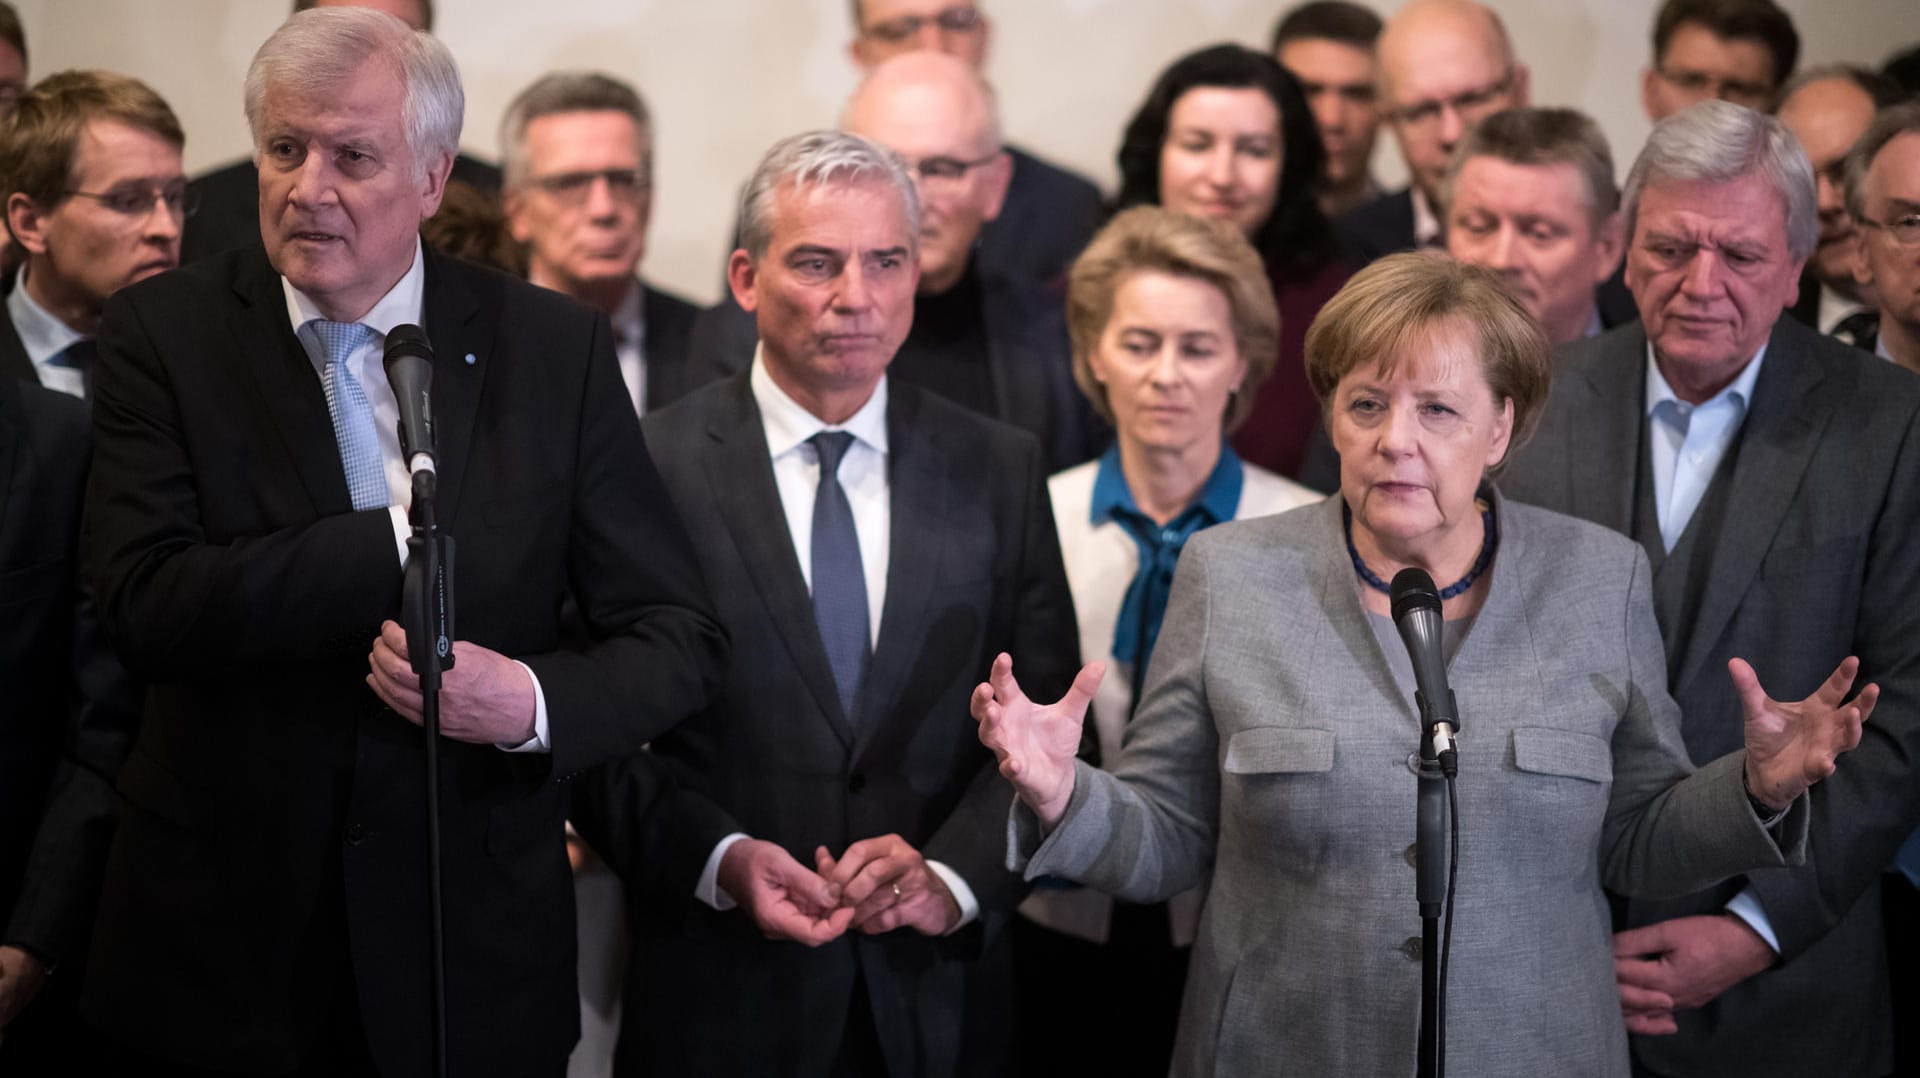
(402, 531)
(540, 742)
(1746, 906)
(708, 889)
(962, 895)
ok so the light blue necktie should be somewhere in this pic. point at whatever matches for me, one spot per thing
(839, 582)
(353, 425)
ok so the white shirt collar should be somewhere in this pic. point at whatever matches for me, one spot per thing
(1426, 225)
(789, 424)
(1739, 391)
(1833, 308)
(1880, 346)
(629, 319)
(400, 306)
(43, 335)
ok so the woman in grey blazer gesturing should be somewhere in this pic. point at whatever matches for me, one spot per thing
(1273, 740)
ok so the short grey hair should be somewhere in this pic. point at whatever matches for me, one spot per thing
(1888, 124)
(563, 92)
(1717, 142)
(315, 51)
(1542, 136)
(821, 158)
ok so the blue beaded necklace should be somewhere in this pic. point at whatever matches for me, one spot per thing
(1488, 544)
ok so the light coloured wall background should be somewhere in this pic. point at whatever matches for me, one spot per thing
(725, 78)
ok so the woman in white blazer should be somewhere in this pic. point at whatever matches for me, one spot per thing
(1174, 328)
(1274, 742)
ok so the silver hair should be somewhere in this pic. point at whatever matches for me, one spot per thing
(315, 51)
(821, 158)
(560, 92)
(1888, 124)
(1717, 142)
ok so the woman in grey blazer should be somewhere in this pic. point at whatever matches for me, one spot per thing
(1274, 739)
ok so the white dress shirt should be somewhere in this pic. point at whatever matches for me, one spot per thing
(44, 337)
(1426, 223)
(863, 475)
(1689, 442)
(1833, 308)
(402, 305)
(630, 345)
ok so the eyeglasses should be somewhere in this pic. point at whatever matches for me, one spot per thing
(1470, 103)
(572, 188)
(953, 20)
(1904, 229)
(1701, 84)
(941, 170)
(136, 200)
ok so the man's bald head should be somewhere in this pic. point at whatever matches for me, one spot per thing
(1445, 65)
(415, 13)
(937, 113)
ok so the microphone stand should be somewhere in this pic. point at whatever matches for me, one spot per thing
(427, 616)
(1430, 891)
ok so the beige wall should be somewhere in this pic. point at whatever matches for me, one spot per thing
(727, 77)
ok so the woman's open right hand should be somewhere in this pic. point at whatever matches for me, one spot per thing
(1035, 744)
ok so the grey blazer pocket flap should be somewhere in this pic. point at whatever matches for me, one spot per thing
(1562, 752)
(1266, 749)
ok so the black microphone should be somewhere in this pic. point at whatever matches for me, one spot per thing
(409, 363)
(1416, 611)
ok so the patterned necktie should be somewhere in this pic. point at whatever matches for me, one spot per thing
(839, 582)
(353, 425)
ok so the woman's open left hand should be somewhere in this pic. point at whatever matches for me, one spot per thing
(1035, 743)
(1791, 746)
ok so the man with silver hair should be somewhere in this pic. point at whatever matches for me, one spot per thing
(1769, 473)
(265, 909)
(577, 150)
(873, 547)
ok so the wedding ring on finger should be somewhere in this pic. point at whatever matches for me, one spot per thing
(896, 891)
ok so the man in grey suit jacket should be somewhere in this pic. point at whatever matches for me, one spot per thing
(1770, 475)
(871, 546)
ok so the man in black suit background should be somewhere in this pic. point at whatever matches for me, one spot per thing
(265, 905)
(94, 195)
(1769, 473)
(872, 547)
(577, 151)
(228, 196)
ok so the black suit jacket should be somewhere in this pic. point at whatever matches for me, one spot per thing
(974, 569)
(1377, 228)
(667, 321)
(272, 819)
(1047, 218)
(228, 215)
(1816, 561)
(14, 361)
(1028, 353)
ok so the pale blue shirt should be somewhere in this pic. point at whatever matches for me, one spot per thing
(1689, 442)
(863, 475)
(44, 337)
(402, 305)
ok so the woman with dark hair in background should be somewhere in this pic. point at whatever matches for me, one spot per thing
(1226, 132)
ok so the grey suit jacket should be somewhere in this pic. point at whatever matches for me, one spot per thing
(974, 569)
(1273, 744)
(1817, 561)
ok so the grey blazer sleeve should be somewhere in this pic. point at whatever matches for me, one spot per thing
(1668, 832)
(1146, 830)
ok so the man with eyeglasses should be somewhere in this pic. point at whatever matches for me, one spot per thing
(1828, 109)
(578, 155)
(1445, 65)
(1049, 213)
(1883, 197)
(1735, 50)
(95, 197)
(229, 214)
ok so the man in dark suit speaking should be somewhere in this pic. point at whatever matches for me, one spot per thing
(265, 905)
(1770, 475)
(871, 547)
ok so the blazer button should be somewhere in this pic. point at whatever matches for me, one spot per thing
(1413, 856)
(356, 834)
(1411, 948)
(856, 782)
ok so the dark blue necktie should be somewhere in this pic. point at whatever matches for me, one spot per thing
(839, 583)
(79, 356)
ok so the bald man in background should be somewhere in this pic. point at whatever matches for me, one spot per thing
(1445, 65)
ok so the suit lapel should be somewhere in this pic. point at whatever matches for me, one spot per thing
(272, 360)
(14, 361)
(1603, 443)
(12, 427)
(1776, 444)
(740, 475)
(918, 490)
(457, 326)
(1334, 582)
